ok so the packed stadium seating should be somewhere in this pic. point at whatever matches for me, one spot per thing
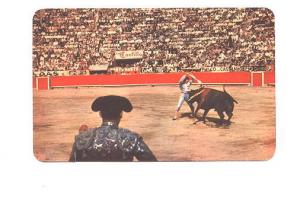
(171, 39)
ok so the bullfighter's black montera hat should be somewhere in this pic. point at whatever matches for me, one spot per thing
(111, 106)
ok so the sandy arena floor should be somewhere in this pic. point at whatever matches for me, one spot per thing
(59, 113)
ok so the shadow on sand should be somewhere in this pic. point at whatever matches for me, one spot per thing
(215, 122)
(210, 121)
(189, 115)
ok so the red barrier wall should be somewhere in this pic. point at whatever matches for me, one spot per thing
(205, 77)
(257, 80)
(43, 83)
(140, 79)
(113, 79)
(223, 77)
(33, 82)
(269, 78)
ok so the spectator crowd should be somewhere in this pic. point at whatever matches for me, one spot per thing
(171, 39)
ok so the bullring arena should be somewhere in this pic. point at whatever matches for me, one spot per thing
(59, 112)
(141, 53)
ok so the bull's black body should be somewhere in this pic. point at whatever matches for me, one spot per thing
(208, 99)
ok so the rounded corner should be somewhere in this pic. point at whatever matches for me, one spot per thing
(39, 156)
(273, 154)
(36, 12)
(271, 12)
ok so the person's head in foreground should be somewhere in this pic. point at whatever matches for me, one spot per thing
(111, 108)
(109, 142)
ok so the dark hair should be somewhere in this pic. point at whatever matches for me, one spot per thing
(111, 115)
(184, 80)
(111, 106)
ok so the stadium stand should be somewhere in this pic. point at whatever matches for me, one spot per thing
(70, 41)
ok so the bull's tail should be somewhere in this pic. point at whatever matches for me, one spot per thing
(235, 101)
(229, 95)
(224, 89)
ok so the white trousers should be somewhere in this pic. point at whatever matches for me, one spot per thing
(183, 97)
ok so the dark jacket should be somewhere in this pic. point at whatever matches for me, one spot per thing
(110, 143)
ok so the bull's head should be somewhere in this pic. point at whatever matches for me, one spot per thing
(194, 93)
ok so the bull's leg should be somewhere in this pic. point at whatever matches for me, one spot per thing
(197, 109)
(229, 111)
(199, 104)
(205, 114)
(195, 113)
(220, 113)
(192, 108)
(229, 114)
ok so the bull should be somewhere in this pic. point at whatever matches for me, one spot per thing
(208, 99)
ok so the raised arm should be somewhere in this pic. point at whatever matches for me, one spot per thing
(194, 78)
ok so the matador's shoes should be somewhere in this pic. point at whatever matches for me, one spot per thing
(175, 116)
